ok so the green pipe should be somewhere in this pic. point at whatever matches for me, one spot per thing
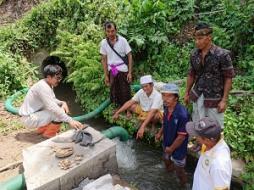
(116, 131)
(9, 107)
(18, 182)
(8, 103)
(93, 113)
(15, 183)
(135, 87)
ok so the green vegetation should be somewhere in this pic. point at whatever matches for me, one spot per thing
(159, 31)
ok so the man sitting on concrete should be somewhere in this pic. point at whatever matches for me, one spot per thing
(41, 109)
(147, 103)
(214, 168)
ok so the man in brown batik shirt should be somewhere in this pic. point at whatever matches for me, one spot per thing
(209, 77)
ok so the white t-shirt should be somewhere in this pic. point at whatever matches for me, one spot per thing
(154, 101)
(39, 97)
(121, 46)
(214, 168)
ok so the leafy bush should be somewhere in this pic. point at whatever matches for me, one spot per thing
(239, 129)
(73, 30)
(248, 177)
(15, 73)
(86, 73)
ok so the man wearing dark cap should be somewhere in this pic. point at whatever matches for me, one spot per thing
(214, 168)
(175, 138)
(209, 77)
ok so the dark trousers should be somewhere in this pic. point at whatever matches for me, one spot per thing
(120, 91)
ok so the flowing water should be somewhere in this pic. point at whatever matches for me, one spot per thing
(141, 166)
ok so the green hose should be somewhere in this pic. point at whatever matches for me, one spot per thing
(9, 107)
(116, 131)
(93, 113)
(15, 183)
(8, 103)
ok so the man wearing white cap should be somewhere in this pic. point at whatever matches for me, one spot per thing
(147, 103)
(214, 168)
(175, 137)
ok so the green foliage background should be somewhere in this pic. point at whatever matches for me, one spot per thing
(159, 31)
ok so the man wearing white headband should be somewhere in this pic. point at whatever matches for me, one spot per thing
(146, 103)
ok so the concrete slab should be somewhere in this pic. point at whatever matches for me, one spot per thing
(42, 170)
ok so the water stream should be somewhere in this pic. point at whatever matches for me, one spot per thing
(145, 169)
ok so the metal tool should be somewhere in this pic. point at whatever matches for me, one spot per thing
(93, 143)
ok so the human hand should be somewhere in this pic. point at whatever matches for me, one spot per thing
(158, 137)
(76, 124)
(140, 133)
(106, 80)
(129, 77)
(186, 99)
(65, 107)
(115, 116)
(222, 106)
(168, 150)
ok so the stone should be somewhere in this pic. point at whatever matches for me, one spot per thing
(119, 187)
(85, 182)
(42, 170)
(238, 168)
(104, 182)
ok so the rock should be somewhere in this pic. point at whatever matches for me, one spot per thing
(102, 183)
(119, 187)
(238, 167)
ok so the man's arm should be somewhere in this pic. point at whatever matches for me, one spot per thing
(127, 105)
(227, 87)
(105, 68)
(177, 142)
(149, 117)
(189, 84)
(129, 76)
(159, 134)
(63, 105)
(59, 102)
(51, 105)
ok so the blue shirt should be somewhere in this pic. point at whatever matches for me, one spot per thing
(174, 125)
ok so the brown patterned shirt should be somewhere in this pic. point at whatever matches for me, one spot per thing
(210, 75)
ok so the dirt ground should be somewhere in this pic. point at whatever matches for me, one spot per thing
(11, 10)
(13, 140)
(13, 136)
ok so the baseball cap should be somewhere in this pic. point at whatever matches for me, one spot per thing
(146, 79)
(170, 88)
(205, 127)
